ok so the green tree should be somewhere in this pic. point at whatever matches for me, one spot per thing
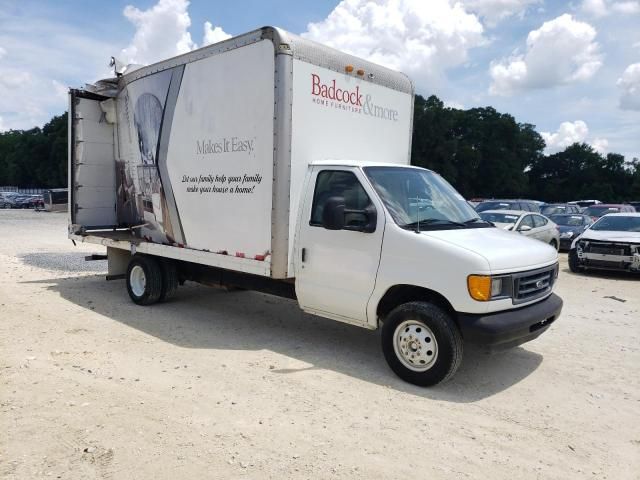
(35, 157)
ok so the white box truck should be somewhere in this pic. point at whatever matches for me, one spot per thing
(272, 163)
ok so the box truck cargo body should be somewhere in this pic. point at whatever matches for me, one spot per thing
(273, 163)
(211, 148)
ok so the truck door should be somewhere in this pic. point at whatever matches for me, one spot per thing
(336, 269)
(92, 168)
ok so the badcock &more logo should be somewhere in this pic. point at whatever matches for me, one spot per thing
(353, 100)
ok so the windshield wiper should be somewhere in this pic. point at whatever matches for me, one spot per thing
(477, 219)
(431, 221)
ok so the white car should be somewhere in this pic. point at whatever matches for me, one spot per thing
(611, 243)
(532, 225)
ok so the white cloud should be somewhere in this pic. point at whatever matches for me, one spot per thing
(60, 90)
(493, 11)
(3, 52)
(601, 8)
(569, 133)
(454, 104)
(418, 37)
(38, 52)
(162, 31)
(600, 145)
(629, 7)
(213, 35)
(12, 79)
(630, 85)
(561, 51)
(596, 8)
(3, 128)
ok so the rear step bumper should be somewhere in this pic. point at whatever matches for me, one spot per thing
(510, 328)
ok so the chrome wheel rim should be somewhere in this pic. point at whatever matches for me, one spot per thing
(138, 280)
(415, 345)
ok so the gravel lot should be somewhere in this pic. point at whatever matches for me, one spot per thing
(218, 384)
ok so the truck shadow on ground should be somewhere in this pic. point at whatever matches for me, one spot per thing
(208, 318)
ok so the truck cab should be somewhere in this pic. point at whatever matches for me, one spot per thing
(396, 246)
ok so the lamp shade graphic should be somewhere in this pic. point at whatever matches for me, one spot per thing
(148, 119)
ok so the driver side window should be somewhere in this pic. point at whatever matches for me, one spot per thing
(526, 221)
(339, 183)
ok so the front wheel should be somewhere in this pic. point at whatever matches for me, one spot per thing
(421, 343)
(574, 264)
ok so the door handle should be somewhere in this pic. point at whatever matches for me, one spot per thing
(304, 255)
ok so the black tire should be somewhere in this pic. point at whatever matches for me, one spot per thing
(554, 244)
(574, 264)
(446, 344)
(150, 292)
(169, 280)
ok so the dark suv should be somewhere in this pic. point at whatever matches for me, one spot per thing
(526, 205)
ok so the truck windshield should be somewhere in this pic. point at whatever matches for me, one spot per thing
(422, 200)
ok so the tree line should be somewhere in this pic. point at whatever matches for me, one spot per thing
(36, 157)
(482, 152)
(485, 153)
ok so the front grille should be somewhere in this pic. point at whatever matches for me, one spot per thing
(608, 248)
(534, 284)
(604, 264)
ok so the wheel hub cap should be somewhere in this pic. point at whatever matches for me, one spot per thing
(138, 281)
(415, 345)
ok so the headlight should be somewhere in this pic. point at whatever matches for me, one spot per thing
(566, 235)
(485, 287)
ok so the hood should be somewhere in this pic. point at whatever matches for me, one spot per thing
(504, 251)
(611, 236)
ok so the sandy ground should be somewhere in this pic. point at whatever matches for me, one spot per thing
(219, 384)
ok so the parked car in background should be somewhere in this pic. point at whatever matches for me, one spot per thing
(23, 201)
(56, 199)
(9, 199)
(611, 243)
(597, 211)
(586, 203)
(5, 202)
(549, 209)
(36, 201)
(570, 227)
(508, 204)
(529, 224)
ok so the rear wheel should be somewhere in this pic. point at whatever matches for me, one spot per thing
(144, 280)
(169, 280)
(421, 343)
(574, 264)
(554, 244)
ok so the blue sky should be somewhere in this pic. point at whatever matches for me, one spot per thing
(570, 68)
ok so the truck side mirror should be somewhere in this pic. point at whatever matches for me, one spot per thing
(333, 213)
(372, 219)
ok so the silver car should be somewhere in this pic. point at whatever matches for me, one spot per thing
(528, 224)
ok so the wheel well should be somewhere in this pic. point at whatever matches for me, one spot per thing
(399, 294)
